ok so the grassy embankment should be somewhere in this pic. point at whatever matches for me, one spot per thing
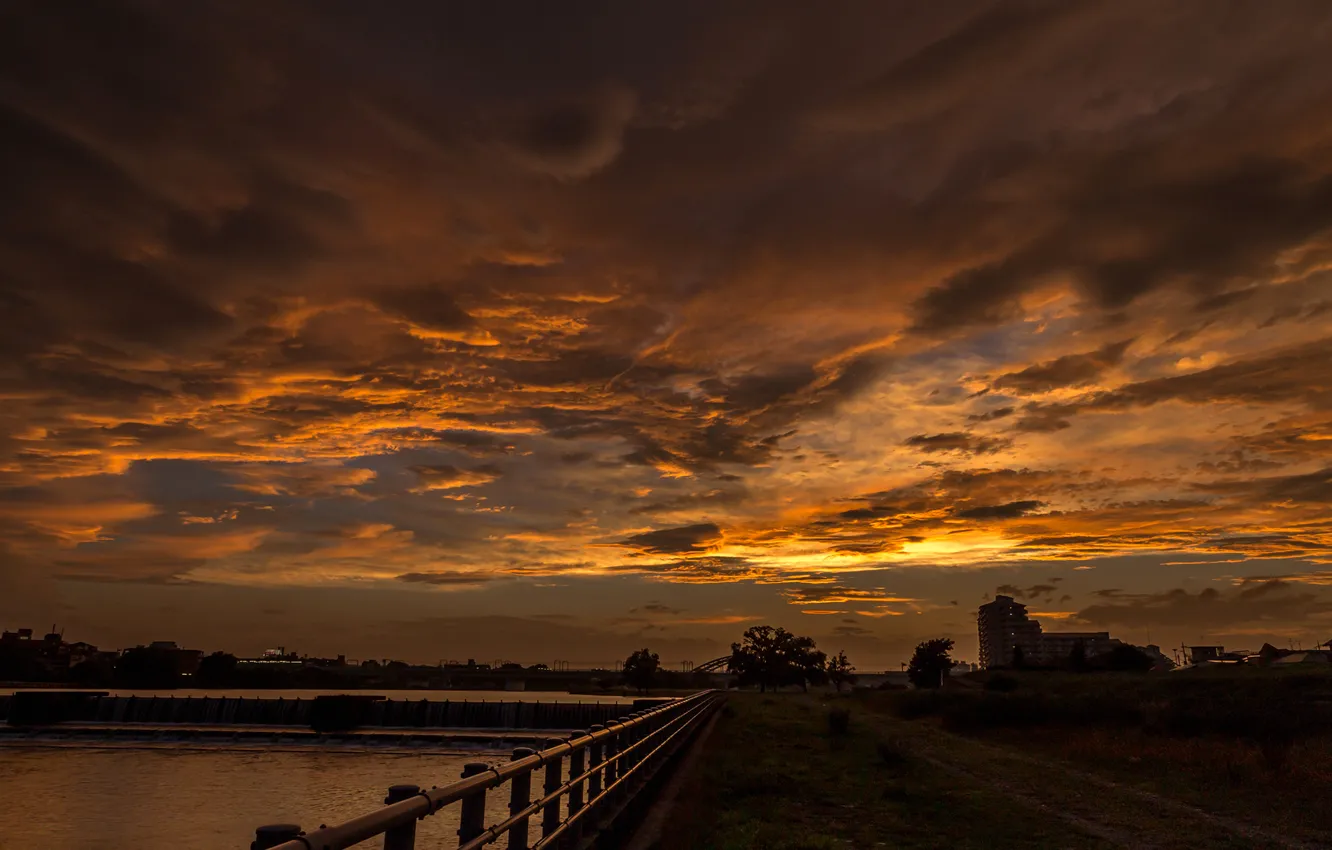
(1041, 761)
(775, 774)
(1249, 744)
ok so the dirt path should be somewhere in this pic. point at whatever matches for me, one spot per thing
(1111, 811)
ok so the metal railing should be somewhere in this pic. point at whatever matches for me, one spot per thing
(608, 766)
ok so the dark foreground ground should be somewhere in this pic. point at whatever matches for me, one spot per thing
(777, 772)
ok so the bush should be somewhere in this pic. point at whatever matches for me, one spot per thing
(911, 705)
(839, 721)
(890, 753)
(1002, 684)
(1276, 752)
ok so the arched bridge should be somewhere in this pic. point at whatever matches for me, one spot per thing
(716, 665)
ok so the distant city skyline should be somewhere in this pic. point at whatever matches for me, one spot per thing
(84, 649)
(430, 332)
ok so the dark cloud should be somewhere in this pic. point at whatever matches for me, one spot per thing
(1294, 374)
(1275, 603)
(1314, 487)
(1202, 226)
(1036, 591)
(991, 415)
(671, 541)
(1044, 418)
(431, 307)
(1071, 370)
(468, 578)
(955, 441)
(575, 139)
(851, 631)
(656, 608)
(1008, 510)
(276, 228)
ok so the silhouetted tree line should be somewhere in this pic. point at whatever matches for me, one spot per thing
(767, 656)
(773, 657)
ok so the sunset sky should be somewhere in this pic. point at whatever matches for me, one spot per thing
(551, 330)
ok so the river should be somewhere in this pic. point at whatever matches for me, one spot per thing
(105, 796)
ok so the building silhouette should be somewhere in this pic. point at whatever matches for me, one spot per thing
(1004, 628)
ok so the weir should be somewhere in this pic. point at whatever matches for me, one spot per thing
(590, 790)
(323, 713)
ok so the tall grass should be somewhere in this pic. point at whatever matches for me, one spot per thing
(1272, 714)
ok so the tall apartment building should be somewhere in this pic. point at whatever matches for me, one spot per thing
(1003, 626)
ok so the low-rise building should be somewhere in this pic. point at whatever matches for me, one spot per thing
(186, 661)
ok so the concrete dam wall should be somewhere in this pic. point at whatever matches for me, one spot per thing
(323, 713)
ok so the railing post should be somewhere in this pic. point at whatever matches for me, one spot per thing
(635, 735)
(594, 763)
(550, 815)
(401, 837)
(654, 723)
(613, 747)
(274, 834)
(577, 765)
(472, 809)
(520, 797)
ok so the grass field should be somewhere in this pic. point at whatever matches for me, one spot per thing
(1249, 744)
(779, 772)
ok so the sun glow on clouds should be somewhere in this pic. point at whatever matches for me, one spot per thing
(961, 547)
(599, 331)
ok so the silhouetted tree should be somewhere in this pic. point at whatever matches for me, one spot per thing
(772, 657)
(1019, 658)
(1125, 657)
(930, 663)
(640, 669)
(809, 664)
(840, 671)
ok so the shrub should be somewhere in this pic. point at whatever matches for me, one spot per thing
(910, 705)
(890, 753)
(1276, 752)
(839, 721)
(1001, 683)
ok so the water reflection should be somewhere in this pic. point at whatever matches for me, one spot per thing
(206, 798)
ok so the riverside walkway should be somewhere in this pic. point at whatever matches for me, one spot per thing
(595, 786)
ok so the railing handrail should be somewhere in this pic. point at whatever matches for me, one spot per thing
(428, 802)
